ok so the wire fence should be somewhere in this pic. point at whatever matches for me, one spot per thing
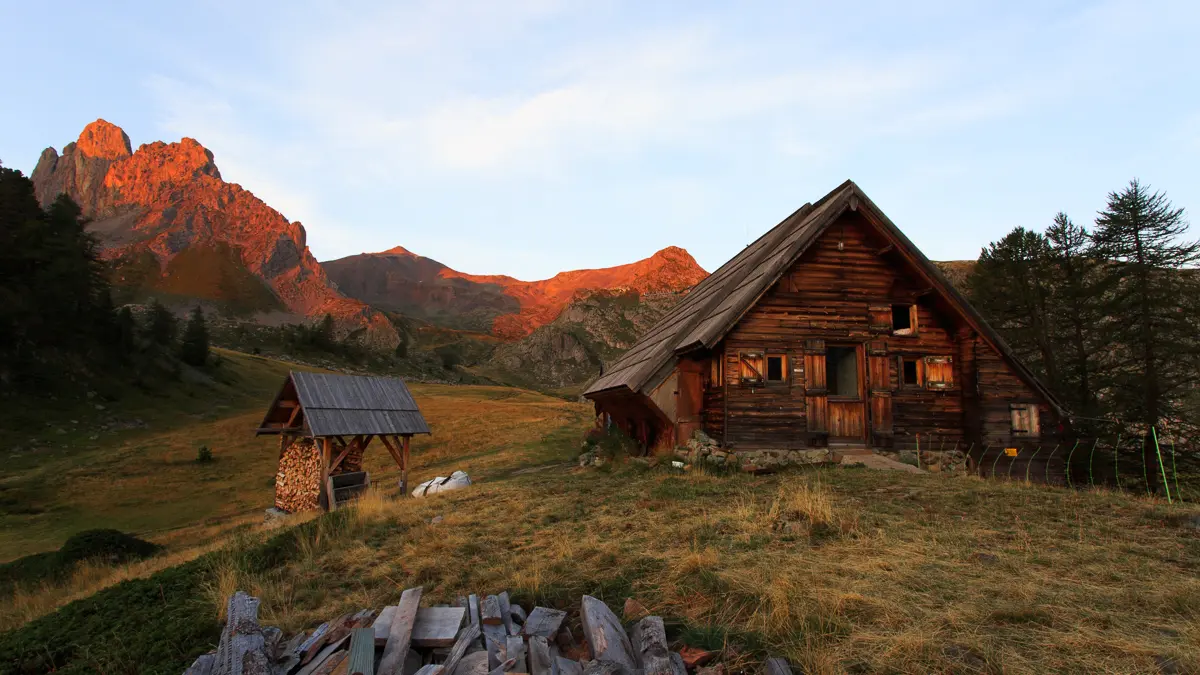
(1146, 464)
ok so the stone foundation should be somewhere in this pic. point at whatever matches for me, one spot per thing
(702, 450)
(934, 461)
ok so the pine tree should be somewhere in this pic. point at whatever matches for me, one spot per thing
(1009, 286)
(1077, 325)
(162, 326)
(1151, 297)
(193, 349)
(126, 331)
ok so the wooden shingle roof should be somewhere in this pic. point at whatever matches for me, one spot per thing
(345, 405)
(715, 305)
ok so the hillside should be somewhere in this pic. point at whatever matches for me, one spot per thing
(174, 229)
(400, 281)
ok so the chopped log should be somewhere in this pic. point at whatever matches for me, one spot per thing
(471, 664)
(489, 610)
(605, 636)
(515, 649)
(336, 661)
(203, 665)
(649, 638)
(568, 666)
(437, 626)
(315, 642)
(469, 636)
(430, 669)
(313, 667)
(658, 665)
(544, 621)
(502, 668)
(242, 649)
(518, 613)
(540, 661)
(362, 652)
(473, 605)
(383, 624)
(400, 633)
(777, 666)
(506, 612)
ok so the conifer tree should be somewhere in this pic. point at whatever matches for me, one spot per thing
(193, 349)
(162, 326)
(1150, 295)
(126, 331)
(1076, 326)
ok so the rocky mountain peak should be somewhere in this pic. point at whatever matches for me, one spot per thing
(103, 140)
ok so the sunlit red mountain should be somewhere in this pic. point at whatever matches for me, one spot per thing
(402, 281)
(176, 229)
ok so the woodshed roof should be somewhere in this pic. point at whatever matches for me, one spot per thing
(714, 306)
(344, 405)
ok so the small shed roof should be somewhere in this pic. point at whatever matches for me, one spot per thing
(344, 405)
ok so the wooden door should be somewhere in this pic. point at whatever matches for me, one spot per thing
(847, 403)
(688, 406)
(879, 383)
(816, 396)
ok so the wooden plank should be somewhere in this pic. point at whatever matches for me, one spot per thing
(515, 649)
(429, 669)
(383, 624)
(400, 633)
(544, 621)
(502, 667)
(475, 663)
(777, 666)
(606, 637)
(242, 648)
(473, 602)
(437, 626)
(495, 641)
(540, 660)
(324, 655)
(203, 665)
(469, 636)
(489, 610)
(506, 612)
(649, 638)
(362, 652)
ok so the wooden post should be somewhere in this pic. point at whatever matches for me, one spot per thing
(404, 468)
(326, 452)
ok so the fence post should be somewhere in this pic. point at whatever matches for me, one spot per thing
(1117, 461)
(1030, 464)
(1145, 470)
(1091, 458)
(1161, 468)
(1071, 483)
(995, 462)
(1175, 471)
(918, 449)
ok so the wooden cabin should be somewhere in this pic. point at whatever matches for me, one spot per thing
(831, 328)
(325, 424)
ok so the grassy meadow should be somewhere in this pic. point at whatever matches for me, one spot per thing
(839, 569)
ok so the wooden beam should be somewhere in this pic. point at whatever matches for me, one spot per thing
(392, 450)
(400, 632)
(326, 452)
(404, 469)
(885, 249)
(345, 451)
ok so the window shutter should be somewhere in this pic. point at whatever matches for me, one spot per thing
(939, 372)
(879, 319)
(816, 399)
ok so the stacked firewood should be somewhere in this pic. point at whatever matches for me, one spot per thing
(485, 635)
(298, 483)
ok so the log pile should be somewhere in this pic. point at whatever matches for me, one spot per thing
(479, 635)
(298, 482)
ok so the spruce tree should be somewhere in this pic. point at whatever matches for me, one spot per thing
(1076, 326)
(126, 331)
(193, 349)
(1150, 295)
(1009, 286)
(162, 326)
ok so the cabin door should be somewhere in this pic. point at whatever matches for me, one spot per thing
(845, 381)
(879, 383)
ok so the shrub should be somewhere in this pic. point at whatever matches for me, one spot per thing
(204, 454)
(109, 545)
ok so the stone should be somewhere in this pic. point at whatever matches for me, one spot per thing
(436, 520)
(634, 610)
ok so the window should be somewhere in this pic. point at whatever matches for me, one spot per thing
(751, 365)
(904, 319)
(910, 372)
(776, 368)
(939, 372)
(1025, 420)
(841, 371)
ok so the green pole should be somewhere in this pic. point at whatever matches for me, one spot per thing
(1071, 454)
(1048, 460)
(1117, 462)
(1091, 457)
(1145, 471)
(1012, 463)
(995, 462)
(918, 449)
(1030, 464)
(1161, 468)
(1175, 471)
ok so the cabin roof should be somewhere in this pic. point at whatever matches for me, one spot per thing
(714, 306)
(344, 405)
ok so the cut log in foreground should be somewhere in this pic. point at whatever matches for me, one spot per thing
(406, 639)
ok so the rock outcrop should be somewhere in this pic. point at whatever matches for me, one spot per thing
(169, 223)
(509, 308)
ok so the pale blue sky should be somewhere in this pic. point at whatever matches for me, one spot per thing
(525, 137)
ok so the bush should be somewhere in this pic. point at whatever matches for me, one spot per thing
(108, 545)
(204, 454)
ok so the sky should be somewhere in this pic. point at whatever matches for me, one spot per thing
(526, 137)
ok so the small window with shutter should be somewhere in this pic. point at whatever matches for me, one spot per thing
(939, 372)
(751, 364)
(1025, 422)
(776, 368)
(904, 319)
